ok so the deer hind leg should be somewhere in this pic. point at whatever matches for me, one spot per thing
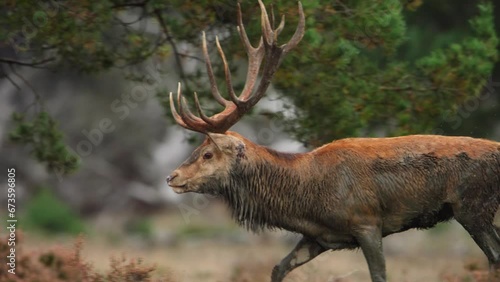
(475, 211)
(485, 234)
(306, 250)
(488, 242)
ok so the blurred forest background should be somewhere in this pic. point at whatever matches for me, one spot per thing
(85, 121)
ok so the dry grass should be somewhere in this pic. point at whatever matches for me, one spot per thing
(58, 264)
(446, 254)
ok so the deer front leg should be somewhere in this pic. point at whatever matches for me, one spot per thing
(306, 250)
(370, 240)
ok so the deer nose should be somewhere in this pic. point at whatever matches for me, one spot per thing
(172, 176)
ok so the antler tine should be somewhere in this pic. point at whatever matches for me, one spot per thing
(188, 118)
(299, 32)
(210, 73)
(273, 55)
(255, 56)
(243, 34)
(267, 31)
(187, 115)
(227, 72)
(281, 26)
(177, 117)
(200, 111)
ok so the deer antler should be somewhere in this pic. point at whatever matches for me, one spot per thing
(234, 109)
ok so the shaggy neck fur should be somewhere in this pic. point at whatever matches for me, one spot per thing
(264, 194)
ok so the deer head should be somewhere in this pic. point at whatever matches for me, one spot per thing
(211, 162)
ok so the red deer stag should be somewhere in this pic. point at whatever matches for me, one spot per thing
(346, 194)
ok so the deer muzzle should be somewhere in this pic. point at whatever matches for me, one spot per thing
(173, 181)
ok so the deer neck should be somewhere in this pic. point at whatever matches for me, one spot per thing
(267, 191)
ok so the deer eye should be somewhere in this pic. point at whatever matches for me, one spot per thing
(207, 156)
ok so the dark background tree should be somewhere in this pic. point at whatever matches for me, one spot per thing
(364, 68)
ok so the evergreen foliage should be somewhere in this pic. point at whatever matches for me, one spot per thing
(48, 214)
(356, 72)
(46, 141)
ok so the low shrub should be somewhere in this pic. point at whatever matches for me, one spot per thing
(46, 213)
(60, 264)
